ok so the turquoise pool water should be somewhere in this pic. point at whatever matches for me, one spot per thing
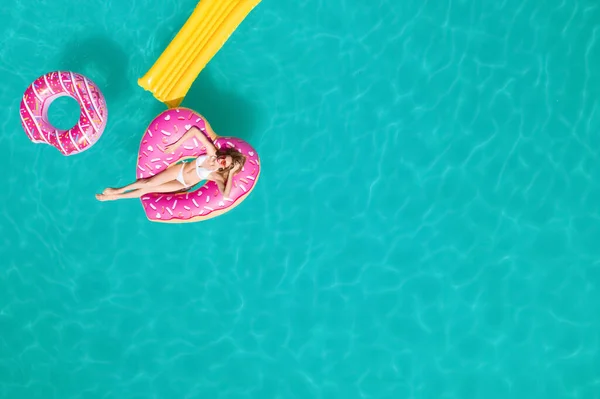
(426, 224)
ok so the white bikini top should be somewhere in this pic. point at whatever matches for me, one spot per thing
(200, 171)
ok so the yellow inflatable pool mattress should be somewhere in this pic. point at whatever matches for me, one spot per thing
(203, 34)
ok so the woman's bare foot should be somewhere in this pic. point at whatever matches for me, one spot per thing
(108, 191)
(105, 197)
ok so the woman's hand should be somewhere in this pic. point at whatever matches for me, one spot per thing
(171, 148)
(227, 189)
(235, 168)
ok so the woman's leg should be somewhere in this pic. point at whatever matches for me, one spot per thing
(120, 190)
(165, 176)
(168, 187)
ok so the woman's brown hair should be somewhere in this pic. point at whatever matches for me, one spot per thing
(236, 157)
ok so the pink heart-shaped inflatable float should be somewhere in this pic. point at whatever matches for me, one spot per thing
(207, 201)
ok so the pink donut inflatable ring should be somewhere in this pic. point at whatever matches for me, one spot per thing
(207, 201)
(43, 91)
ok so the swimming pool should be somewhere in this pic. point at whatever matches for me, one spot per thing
(425, 225)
